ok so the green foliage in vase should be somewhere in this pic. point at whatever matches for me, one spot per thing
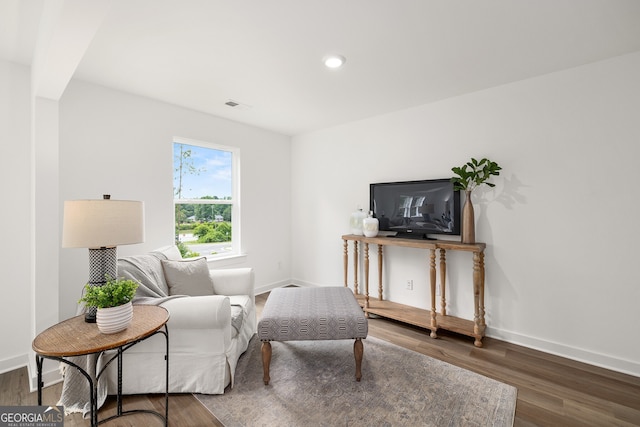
(112, 294)
(474, 173)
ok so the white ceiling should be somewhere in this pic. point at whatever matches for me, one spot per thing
(266, 54)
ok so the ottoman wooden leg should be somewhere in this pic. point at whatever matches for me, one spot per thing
(266, 361)
(358, 351)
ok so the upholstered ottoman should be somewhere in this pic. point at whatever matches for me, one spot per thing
(297, 314)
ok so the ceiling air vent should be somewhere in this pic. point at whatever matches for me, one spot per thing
(237, 105)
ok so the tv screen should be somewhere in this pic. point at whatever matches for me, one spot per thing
(416, 209)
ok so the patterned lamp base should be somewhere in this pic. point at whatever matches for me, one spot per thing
(102, 263)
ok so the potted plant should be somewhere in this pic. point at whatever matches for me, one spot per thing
(113, 301)
(469, 176)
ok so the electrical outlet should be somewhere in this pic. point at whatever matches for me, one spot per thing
(409, 284)
(438, 291)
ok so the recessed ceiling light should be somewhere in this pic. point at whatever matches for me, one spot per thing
(333, 61)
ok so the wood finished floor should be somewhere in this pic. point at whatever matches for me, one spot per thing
(552, 391)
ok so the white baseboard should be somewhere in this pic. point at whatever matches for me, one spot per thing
(12, 363)
(271, 286)
(50, 372)
(574, 353)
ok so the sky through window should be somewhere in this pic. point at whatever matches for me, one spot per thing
(205, 171)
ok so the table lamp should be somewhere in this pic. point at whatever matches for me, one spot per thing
(101, 225)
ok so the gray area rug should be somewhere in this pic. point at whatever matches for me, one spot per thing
(313, 384)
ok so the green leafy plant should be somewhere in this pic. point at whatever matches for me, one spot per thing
(474, 173)
(112, 294)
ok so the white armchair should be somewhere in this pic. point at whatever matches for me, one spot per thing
(207, 333)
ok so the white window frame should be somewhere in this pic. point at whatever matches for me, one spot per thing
(236, 240)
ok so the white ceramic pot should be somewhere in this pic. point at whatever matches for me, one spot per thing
(114, 319)
(370, 225)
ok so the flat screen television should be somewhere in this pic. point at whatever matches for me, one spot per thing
(416, 209)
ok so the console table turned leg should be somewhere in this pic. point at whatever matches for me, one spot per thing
(355, 266)
(478, 293)
(443, 282)
(432, 280)
(366, 276)
(266, 361)
(345, 262)
(380, 272)
(483, 325)
(358, 352)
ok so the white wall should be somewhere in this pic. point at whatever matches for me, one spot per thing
(560, 225)
(29, 219)
(120, 144)
(15, 215)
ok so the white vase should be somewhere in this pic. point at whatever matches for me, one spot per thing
(114, 319)
(370, 225)
(356, 222)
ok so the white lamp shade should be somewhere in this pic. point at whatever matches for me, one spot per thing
(102, 223)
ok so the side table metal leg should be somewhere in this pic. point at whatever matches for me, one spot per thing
(93, 393)
(119, 397)
(39, 361)
(166, 392)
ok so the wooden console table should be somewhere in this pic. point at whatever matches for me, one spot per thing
(428, 319)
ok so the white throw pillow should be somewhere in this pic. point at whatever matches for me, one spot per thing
(188, 277)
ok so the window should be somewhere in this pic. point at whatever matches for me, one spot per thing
(205, 196)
